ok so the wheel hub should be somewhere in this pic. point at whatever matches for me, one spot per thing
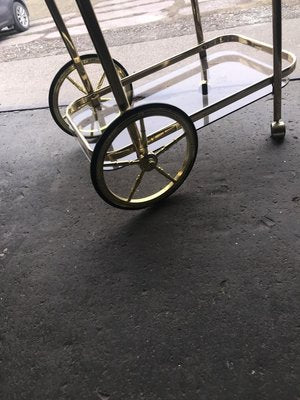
(148, 162)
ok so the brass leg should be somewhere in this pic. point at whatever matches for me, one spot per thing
(278, 126)
(200, 39)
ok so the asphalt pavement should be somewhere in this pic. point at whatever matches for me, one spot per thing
(197, 298)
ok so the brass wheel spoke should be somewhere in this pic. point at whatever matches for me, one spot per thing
(165, 174)
(136, 185)
(95, 115)
(94, 122)
(144, 141)
(121, 164)
(77, 85)
(93, 125)
(99, 116)
(166, 147)
(101, 80)
(105, 99)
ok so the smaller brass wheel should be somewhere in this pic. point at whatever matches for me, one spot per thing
(66, 87)
(144, 156)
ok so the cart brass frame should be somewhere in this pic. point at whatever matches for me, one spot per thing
(116, 84)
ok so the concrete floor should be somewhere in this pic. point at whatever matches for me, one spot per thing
(197, 298)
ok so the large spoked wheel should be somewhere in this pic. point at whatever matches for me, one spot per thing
(133, 174)
(67, 87)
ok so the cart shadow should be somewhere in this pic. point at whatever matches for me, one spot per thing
(168, 234)
(164, 238)
(157, 244)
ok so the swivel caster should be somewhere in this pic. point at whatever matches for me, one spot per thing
(278, 130)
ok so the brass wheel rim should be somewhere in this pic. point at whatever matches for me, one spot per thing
(59, 109)
(109, 159)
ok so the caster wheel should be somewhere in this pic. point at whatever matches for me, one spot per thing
(128, 178)
(67, 87)
(278, 131)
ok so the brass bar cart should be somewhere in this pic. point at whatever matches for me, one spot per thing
(141, 140)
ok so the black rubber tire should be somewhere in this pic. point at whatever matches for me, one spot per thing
(113, 130)
(51, 97)
(17, 24)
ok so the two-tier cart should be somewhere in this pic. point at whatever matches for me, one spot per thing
(142, 141)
